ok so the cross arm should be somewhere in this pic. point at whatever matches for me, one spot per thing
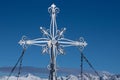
(24, 42)
(67, 42)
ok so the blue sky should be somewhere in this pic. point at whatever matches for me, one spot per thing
(98, 21)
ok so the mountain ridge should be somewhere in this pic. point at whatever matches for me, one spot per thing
(86, 76)
(32, 73)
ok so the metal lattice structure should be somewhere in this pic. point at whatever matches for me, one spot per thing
(53, 42)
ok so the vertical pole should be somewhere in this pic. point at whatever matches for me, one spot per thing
(53, 10)
(81, 66)
(53, 75)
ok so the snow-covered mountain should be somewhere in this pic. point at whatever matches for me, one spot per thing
(25, 77)
(90, 76)
(39, 73)
(86, 76)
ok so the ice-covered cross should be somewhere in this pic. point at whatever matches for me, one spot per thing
(53, 42)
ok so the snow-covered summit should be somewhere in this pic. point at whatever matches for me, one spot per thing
(25, 77)
(86, 76)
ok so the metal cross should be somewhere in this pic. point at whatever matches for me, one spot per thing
(53, 42)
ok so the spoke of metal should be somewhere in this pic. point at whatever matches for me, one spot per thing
(19, 60)
(53, 41)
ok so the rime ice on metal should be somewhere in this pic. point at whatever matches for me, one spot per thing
(53, 42)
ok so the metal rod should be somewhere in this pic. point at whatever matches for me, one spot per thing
(81, 66)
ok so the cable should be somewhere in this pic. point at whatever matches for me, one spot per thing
(20, 67)
(81, 66)
(16, 63)
(89, 63)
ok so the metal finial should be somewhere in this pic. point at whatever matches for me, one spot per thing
(53, 9)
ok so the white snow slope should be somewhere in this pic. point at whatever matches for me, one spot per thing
(86, 76)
